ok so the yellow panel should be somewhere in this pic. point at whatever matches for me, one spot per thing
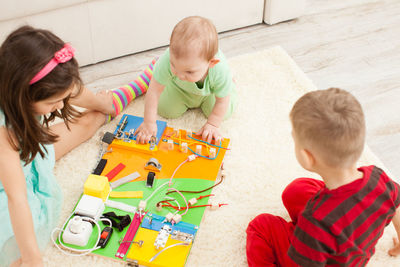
(174, 257)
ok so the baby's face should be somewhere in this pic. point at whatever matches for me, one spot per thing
(191, 68)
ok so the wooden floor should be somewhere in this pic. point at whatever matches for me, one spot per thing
(352, 44)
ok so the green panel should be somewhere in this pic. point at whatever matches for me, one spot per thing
(194, 216)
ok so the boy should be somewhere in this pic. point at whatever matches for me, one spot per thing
(192, 73)
(337, 221)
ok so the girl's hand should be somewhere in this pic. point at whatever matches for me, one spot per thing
(30, 263)
(208, 132)
(145, 131)
(16, 263)
(395, 250)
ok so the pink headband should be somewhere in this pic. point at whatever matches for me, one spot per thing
(63, 55)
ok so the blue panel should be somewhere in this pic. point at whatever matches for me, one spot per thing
(157, 223)
(134, 123)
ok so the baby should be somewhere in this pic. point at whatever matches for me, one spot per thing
(192, 73)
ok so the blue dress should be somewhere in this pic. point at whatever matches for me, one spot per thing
(45, 201)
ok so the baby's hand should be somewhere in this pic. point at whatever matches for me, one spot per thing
(208, 132)
(145, 132)
(105, 100)
(395, 250)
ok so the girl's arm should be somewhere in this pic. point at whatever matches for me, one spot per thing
(149, 127)
(100, 102)
(13, 181)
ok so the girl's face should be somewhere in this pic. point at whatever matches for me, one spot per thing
(51, 104)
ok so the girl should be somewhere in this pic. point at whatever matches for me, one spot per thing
(39, 80)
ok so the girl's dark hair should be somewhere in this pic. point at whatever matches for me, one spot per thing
(22, 55)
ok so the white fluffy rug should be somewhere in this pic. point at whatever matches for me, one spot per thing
(259, 166)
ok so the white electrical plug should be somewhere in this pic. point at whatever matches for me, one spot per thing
(169, 216)
(159, 207)
(142, 205)
(223, 174)
(192, 157)
(177, 218)
(214, 205)
(170, 143)
(198, 149)
(192, 201)
(184, 147)
(213, 152)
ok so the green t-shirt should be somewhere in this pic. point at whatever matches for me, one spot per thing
(218, 81)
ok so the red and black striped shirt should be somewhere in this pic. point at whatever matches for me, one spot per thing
(340, 227)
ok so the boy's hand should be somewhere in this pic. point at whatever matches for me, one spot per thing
(145, 131)
(208, 132)
(395, 250)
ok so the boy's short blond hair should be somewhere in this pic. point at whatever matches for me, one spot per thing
(331, 123)
(194, 33)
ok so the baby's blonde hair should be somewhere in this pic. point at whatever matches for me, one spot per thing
(331, 122)
(194, 33)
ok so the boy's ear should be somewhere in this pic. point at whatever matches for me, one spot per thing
(309, 159)
(213, 62)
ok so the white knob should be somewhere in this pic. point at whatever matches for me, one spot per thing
(75, 225)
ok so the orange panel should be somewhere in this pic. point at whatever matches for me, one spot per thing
(200, 168)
